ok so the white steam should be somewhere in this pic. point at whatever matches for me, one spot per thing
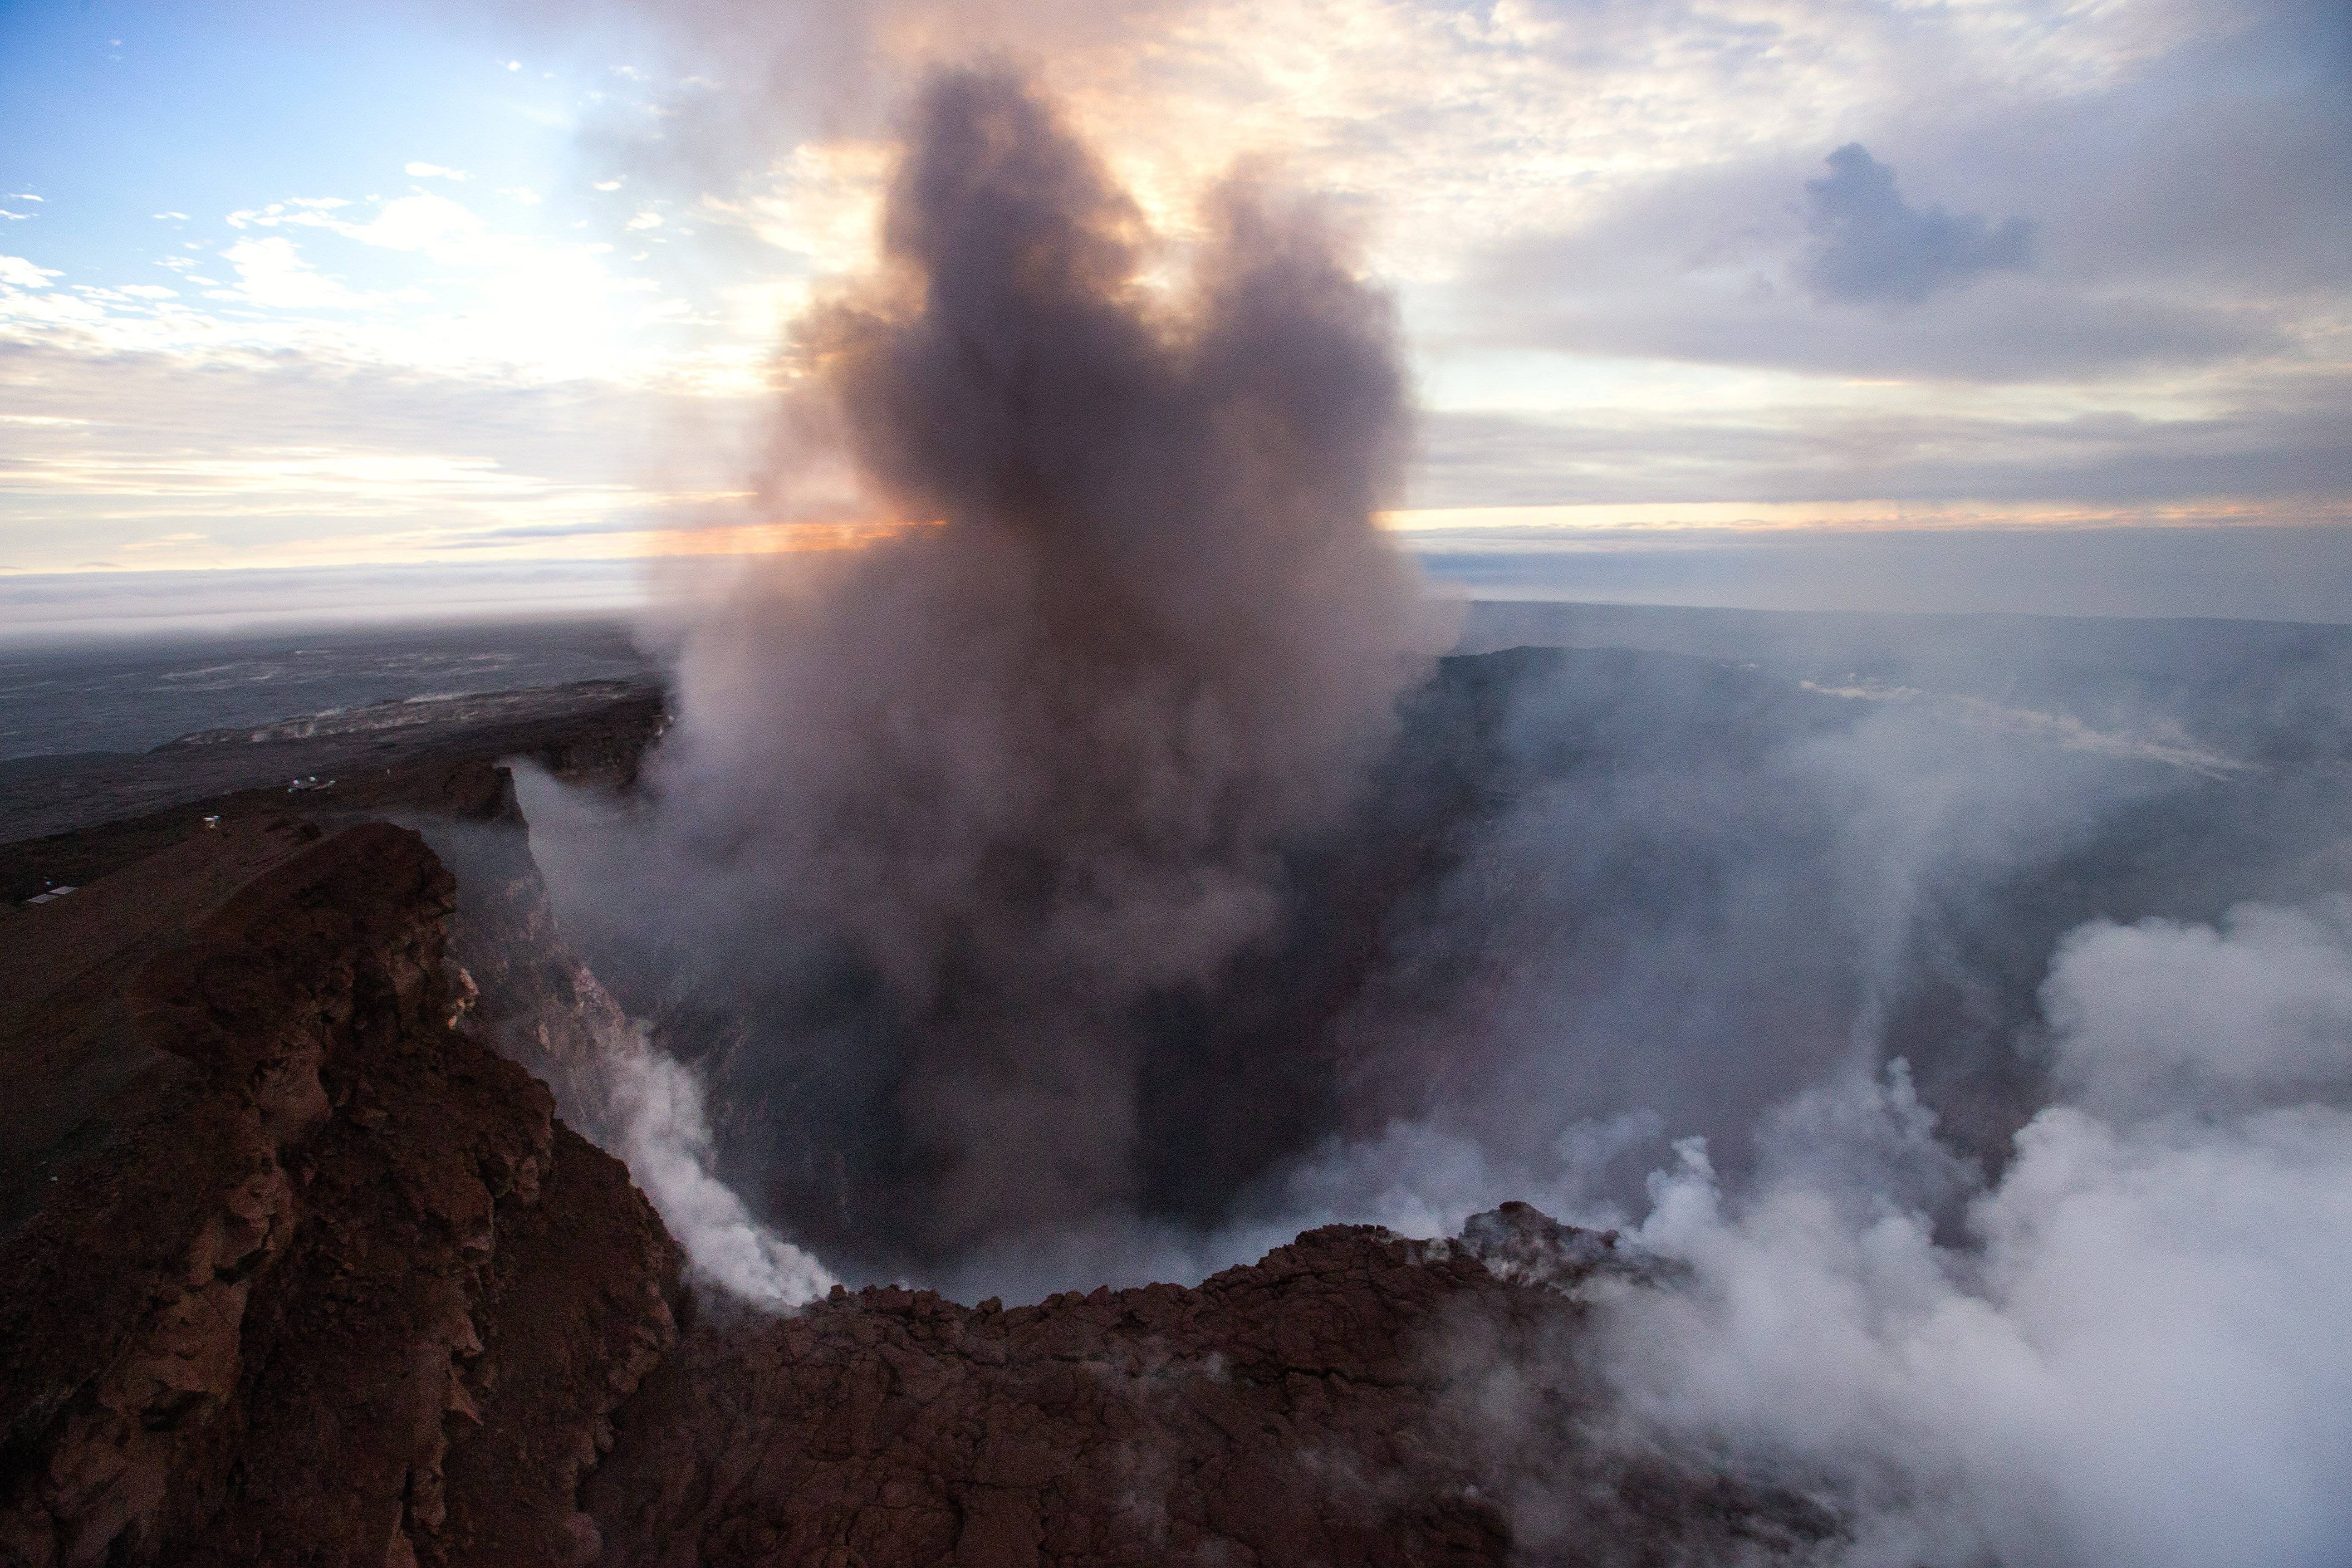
(2164, 1015)
(2141, 1356)
(661, 1131)
(631, 1097)
(2056, 729)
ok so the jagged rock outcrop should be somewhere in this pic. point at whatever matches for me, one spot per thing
(343, 1290)
(1353, 1398)
(533, 999)
(348, 1293)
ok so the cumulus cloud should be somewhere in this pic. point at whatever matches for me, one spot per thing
(443, 229)
(271, 272)
(18, 273)
(1873, 247)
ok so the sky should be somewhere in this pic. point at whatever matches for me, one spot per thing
(1979, 305)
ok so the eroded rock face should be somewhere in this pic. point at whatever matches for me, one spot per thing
(531, 998)
(348, 1294)
(1353, 1398)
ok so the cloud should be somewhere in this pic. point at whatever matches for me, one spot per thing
(99, 600)
(433, 224)
(1874, 248)
(446, 231)
(285, 453)
(524, 303)
(309, 210)
(2189, 220)
(435, 171)
(18, 273)
(2264, 438)
(271, 272)
(2234, 571)
(1611, 199)
(1710, 267)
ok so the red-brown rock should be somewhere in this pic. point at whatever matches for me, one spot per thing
(338, 1289)
(1353, 1398)
(348, 1293)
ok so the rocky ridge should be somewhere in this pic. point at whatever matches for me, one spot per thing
(348, 1293)
(344, 1290)
(1355, 1397)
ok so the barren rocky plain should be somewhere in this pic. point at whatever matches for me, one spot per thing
(296, 1267)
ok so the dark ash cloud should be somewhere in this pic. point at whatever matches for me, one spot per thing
(942, 818)
(1876, 249)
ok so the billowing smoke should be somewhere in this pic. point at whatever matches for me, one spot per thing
(657, 1121)
(540, 1005)
(950, 823)
(2134, 1354)
(2063, 1287)
(1052, 895)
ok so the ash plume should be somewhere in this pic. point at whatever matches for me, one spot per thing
(1981, 1070)
(946, 814)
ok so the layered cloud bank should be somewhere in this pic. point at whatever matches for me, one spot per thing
(1801, 256)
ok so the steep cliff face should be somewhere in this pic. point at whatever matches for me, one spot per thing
(347, 1293)
(530, 995)
(1354, 1398)
(343, 1290)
